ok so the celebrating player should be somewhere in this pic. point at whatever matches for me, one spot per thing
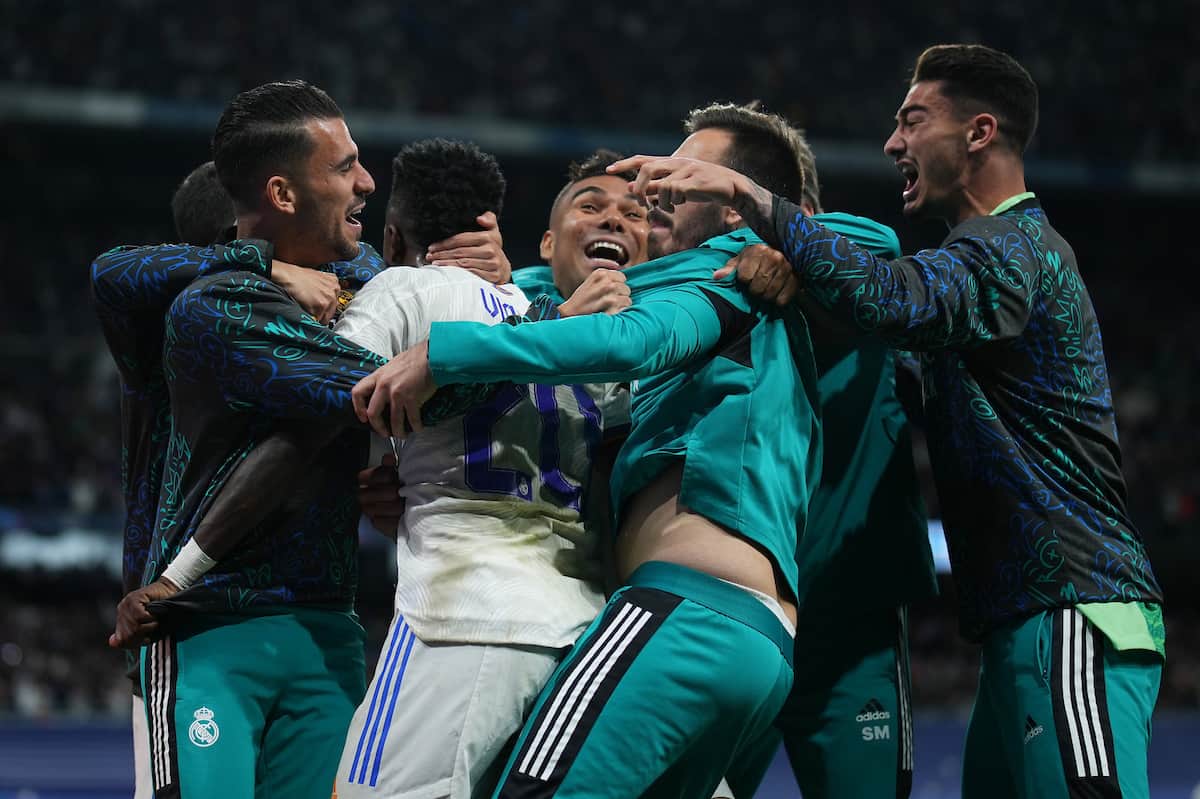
(1052, 575)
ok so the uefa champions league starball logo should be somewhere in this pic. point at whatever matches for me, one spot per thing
(204, 732)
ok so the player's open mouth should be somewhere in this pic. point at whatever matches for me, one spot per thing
(352, 217)
(910, 174)
(607, 250)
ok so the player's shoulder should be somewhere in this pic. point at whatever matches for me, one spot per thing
(864, 231)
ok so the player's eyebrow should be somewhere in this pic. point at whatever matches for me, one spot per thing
(587, 190)
(909, 109)
(347, 161)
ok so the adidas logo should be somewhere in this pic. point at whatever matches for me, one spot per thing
(1032, 729)
(873, 711)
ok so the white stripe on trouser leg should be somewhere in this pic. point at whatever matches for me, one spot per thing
(1065, 657)
(150, 697)
(164, 667)
(1077, 679)
(560, 692)
(1092, 705)
(581, 678)
(591, 692)
(158, 687)
(155, 692)
(576, 670)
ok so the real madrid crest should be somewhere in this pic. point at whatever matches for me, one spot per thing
(204, 732)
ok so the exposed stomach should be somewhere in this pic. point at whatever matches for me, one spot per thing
(656, 525)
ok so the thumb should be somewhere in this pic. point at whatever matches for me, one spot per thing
(726, 270)
(486, 220)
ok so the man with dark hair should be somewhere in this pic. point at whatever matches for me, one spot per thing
(1052, 576)
(690, 661)
(847, 724)
(261, 663)
(496, 573)
(596, 228)
(131, 289)
(201, 207)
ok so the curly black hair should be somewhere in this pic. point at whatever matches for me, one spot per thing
(441, 186)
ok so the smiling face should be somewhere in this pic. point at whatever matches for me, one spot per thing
(930, 148)
(597, 224)
(330, 192)
(692, 224)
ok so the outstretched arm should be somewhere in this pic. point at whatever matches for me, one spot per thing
(239, 340)
(976, 289)
(645, 339)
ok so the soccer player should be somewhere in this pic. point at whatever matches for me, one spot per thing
(690, 661)
(127, 293)
(847, 722)
(250, 691)
(1052, 576)
(496, 572)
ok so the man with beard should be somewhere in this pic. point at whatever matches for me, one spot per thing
(1053, 579)
(244, 695)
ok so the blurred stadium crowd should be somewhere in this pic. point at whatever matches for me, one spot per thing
(530, 61)
(59, 425)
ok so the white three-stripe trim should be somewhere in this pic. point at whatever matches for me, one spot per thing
(160, 734)
(1079, 696)
(575, 693)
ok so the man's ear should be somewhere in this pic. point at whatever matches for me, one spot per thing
(281, 194)
(981, 132)
(393, 244)
(732, 219)
(546, 248)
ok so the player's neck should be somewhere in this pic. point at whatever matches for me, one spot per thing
(995, 181)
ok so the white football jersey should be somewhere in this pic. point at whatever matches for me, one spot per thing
(491, 548)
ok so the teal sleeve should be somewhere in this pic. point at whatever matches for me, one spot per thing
(646, 339)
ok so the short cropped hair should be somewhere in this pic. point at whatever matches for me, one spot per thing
(201, 207)
(442, 186)
(262, 133)
(765, 147)
(594, 166)
(977, 78)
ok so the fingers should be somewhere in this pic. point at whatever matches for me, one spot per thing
(617, 304)
(382, 475)
(451, 255)
(377, 415)
(362, 394)
(791, 286)
(378, 495)
(632, 163)
(729, 268)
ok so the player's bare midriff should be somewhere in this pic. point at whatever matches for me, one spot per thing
(657, 526)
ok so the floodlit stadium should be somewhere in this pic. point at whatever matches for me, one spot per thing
(902, 462)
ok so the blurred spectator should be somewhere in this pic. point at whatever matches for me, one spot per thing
(839, 74)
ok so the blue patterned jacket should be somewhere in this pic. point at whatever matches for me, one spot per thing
(1021, 428)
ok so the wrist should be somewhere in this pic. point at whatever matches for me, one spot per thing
(188, 566)
(752, 201)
